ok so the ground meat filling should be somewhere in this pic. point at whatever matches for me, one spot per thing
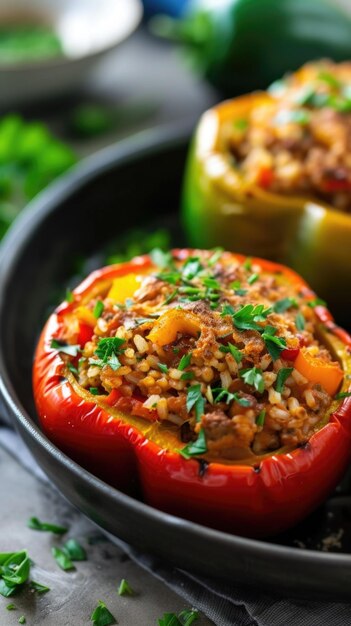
(299, 142)
(207, 343)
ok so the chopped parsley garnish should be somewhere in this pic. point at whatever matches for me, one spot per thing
(280, 306)
(187, 376)
(241, 124)
(193, 448)
(191, 268)
(195, 400)
(328, 78)
(184, 618)
(163, 368)
(98, 308)
(247, 264)
(246, 317)
(35, 524)
(236, 286)
(72, 368)
(224, 395)
(38, 587)
(108, 350)
(252, 279)
(74, 550)
(101, 616)
(253, 377)
(275, 345)
(292, 116)
(184, 361)
(162, 259)
(342, 394)
(125, 589)
(261, 418)
(217, 253)
(282, 376)
(300, 321)
(61, 346)
(316, 302)
(170, 297)
(233, 350)
(69, 296)
(94, 390)
(62, 559)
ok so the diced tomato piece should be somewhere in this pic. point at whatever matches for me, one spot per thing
(265, 177)
(290, 354)
(85, 334)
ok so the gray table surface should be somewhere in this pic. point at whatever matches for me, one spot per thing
(141, 71)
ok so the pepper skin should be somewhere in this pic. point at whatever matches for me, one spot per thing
(239, 45)
(221, 208)
(267, 495)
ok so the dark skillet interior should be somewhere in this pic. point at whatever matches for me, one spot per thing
(133, 184)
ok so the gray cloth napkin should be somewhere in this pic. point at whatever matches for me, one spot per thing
(224, 604)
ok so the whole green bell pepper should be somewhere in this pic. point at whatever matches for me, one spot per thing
(239, 45)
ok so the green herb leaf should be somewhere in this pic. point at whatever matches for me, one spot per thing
(185, 361)
(191, 268)
(72, 368)
(184, 618)
(252, 279)
(7, 590)
(316, 302)
(261, 418)
(300, 321)
(108, 349)
(125, 589)
(15, 570)
(224, 395)
(101, 616)
(295, 116)
(35, 524)
(280, 306)
(234, 351)
(94, 390)
(194, 448)
(253, 377)
(69, 296)
(241, 124)
(163, 367)
(62, 560)
(342, 394)
(98, 308)
(61, 346)
(162, 259)
(247, 265)
(331, 80)
(217, 253)
(282, 376)
(275, 345)
(195, 399)
(74, 550)
(22, 620)
(246, 317)
(11, 607)
(187, 376)
(38, 587)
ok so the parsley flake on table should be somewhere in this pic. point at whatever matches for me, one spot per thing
(38, 587)
(101, 616)
(35, 524)
(74, 550)
(22, 620)
(108, 350)
(14, 571)
(184, 618)
(125, 589)
(11, 607)
(62, 559)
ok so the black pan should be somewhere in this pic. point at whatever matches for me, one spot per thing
(138, 182)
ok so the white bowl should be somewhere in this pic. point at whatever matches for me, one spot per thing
(88, 29)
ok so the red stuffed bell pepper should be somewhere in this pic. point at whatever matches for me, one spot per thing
(214, 386)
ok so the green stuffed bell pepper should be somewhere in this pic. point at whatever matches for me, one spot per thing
(269, 174)
(239, 45)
